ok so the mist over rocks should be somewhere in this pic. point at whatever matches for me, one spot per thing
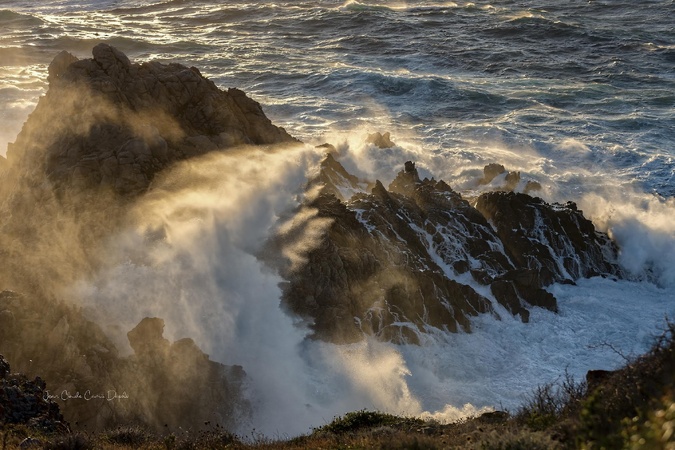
(106, 128)
(177, 385)
(334, 179)
(96, 140)
(415, 258)
(161, 384)
(110, 123)
(496, 176)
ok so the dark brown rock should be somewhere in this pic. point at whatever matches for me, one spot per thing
(334, 179)
(177, 385)
(380, 140)
(115, 124)
(27, 402)
(406, 181)
(147, 338)
(491, 171)
(511, 179)
(555, 241)
(60, 65)
(388, 263)
(373, 274)
(4, 367)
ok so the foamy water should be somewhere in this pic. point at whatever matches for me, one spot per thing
(577, 97)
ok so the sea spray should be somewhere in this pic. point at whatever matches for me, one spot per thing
(191, 261)
(574, 97)
(643, 227)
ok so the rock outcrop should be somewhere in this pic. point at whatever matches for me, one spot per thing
(381, 140)
(334, 179)
(181, 386)
(97, 388)
(104, 130)
(555, 241)
(496, 174)
(26, 402)
(404, 261)
(107, 122)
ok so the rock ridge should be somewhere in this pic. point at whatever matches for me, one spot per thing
(416, 258)
(108, 122)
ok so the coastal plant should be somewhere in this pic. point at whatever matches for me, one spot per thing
(522, 439)
(550, 402)
(656, 432)
(75, 441)
(129, 435)
(358, 420)
(624, 410)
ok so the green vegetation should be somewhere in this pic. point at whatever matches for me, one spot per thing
(631, 408)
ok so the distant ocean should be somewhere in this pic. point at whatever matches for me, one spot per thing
(577, 95)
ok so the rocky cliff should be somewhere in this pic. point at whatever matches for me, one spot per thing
(94, 143)
(416, 257)
(108, 122)
(27, 402)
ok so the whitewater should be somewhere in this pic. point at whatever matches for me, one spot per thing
(577, 96)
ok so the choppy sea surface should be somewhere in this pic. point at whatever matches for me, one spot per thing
(579, 96)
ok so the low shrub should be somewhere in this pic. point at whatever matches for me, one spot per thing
(360, 420)
(550, 403)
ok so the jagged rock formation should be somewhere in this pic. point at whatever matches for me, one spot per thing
(95, 142)
(509, 181)
(380, 140)
(26, 402)
(555, 241)
(181, 382)
(334, 179)
(108, 122)
(403, 261)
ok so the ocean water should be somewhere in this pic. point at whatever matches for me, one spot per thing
(579, 96)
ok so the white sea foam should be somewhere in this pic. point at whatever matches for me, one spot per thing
(502, 361)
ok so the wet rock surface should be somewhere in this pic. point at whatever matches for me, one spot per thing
(406, 260)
